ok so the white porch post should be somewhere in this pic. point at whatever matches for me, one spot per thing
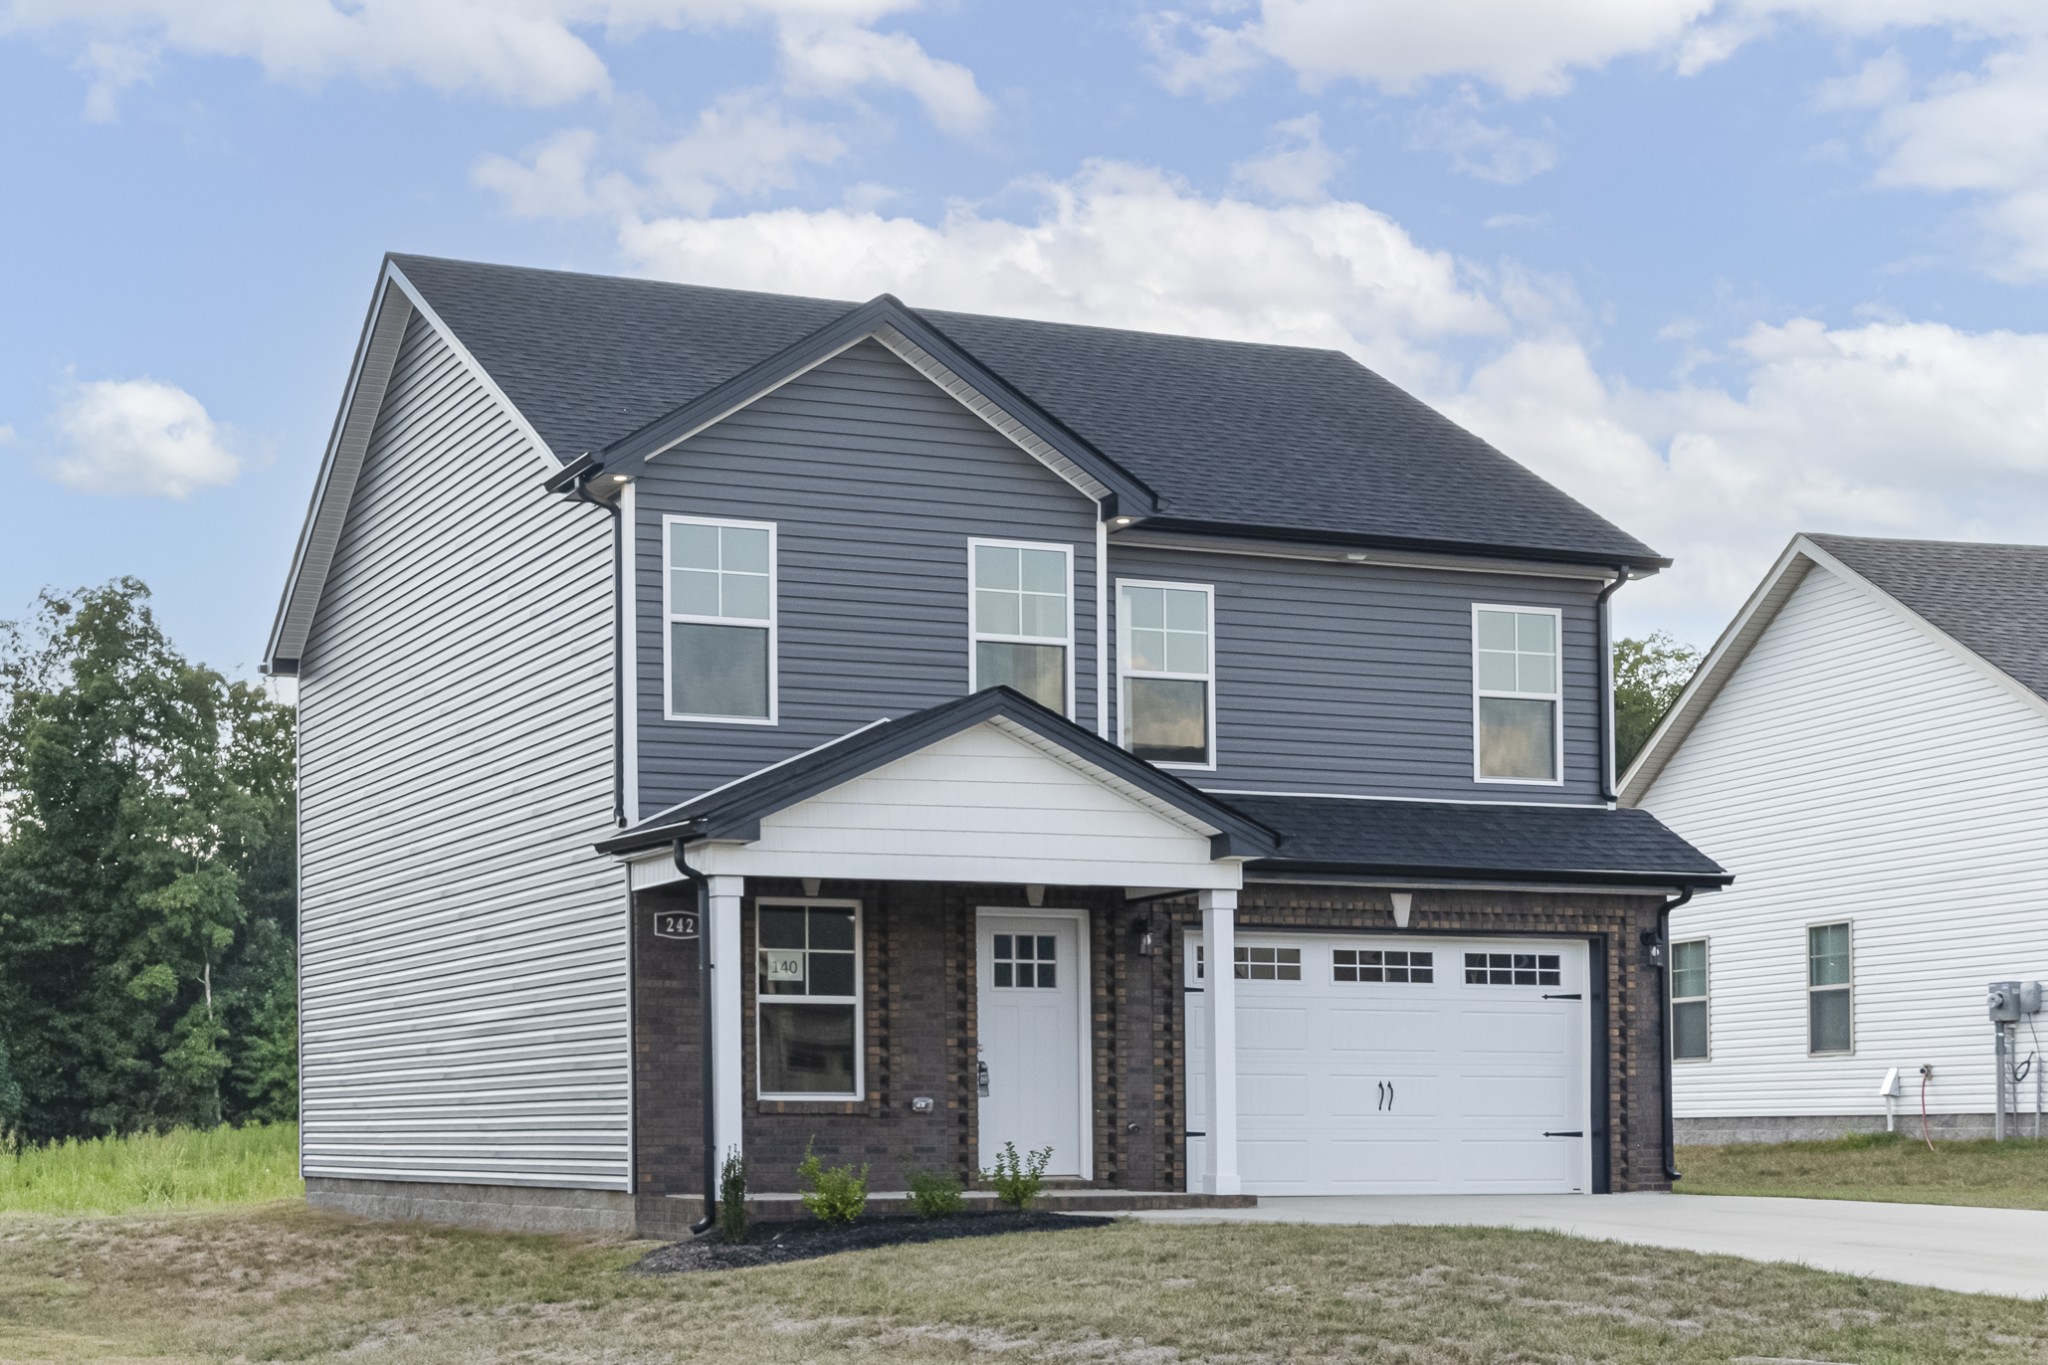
(1219, 938)
(722, 936)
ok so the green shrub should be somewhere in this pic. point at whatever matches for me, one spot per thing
(935, 1196)
(732, 1197)
(835, 1195)
(1016, 1180)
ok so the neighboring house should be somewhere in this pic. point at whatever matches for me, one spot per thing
(996, 676)
(1866, 742)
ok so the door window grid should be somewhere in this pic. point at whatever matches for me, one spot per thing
(1829, 989)
(1026, 961)
(1689, 1000)
(1383, 964)
(1255, 963)
(1512, 969)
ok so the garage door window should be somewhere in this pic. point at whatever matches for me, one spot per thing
(1511, 969)
(1376, 964)
(1268, 964)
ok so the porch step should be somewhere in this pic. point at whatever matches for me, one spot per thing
(671, 1215)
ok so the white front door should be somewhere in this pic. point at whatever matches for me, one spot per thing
(1383, 1065)
(1033, 1049)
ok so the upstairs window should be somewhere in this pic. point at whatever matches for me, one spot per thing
(1168, 670)
(1021, 619)
(720, 605)
(1689, 1000)
(1516, 694)
(1830, 1018)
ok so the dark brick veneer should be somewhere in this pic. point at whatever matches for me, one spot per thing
(918, 985)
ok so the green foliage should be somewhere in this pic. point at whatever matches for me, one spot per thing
(732, 1197)
(1016, 1180)
(935, 1196)
(183, 1168)
(1648, 676)
(146, 880)
(833, 1194)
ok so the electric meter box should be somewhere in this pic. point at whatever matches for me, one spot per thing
(2002, 1001)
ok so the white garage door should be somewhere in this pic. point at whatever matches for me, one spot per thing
(1379, 1065)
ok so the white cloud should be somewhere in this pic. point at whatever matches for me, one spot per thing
(139, 438)
(6, 433)
(1295, 166)
(837, 59)
(1479, 149)
(553, 181)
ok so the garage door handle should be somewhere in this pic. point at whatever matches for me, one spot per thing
(1576, 1132)
(1564, 997)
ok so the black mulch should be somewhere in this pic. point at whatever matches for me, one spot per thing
(775, 1243)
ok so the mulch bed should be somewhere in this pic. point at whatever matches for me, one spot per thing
(776, 1243)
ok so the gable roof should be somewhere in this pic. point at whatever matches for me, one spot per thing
(1230, 437)
(1987, 602)
(735, 811)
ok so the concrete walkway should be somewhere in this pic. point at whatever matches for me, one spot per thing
(1975, 1251)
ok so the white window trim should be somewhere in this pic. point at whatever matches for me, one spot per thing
(1124, 671)
(858, 1000)
(1556, 698)
(1706, 999)
(975, 635)
(1806, 961)
(669, 617)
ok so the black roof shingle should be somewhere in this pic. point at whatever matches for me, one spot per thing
(1233, 436)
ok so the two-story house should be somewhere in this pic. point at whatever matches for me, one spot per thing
(732, 721)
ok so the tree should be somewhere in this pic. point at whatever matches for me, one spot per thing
(146, 869)
(1648, 676)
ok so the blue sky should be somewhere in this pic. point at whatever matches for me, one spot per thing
(1723, 270)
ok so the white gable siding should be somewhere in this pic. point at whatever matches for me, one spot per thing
(1855, 768)
(463, 951)
(979, 806)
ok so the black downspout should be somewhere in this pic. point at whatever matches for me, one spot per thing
(704, 965)
(1607, 686)
(1662, 949)
(619, 645)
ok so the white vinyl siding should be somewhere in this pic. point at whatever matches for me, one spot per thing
(1166, 671)
(1517, 722)
(1856, 768)
(1021, 622)
(463, 952)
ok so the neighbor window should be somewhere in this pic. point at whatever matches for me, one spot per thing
(1168, 670)
(1689, 1000)
(1828, 1008)
(807, 999)
(1515, 702)
(1021, 622)
(720, 603)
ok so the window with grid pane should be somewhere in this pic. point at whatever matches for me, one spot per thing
(1516, 682)
(1256, 963)
(807, 1000)
(1830, 1021)
(1167, 667)
(720, 603)
(1020, 618)
(1689, 1000)
(1382, 964)
(1512, 969)
(1026, 962)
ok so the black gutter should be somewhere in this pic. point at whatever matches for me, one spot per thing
(1466, 549)
(704, 965)
(1608, 748)
(1278, 868)
(1661, 948)
(581, 489)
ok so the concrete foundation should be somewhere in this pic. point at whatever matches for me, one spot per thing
(1718, 1132)
(498, 1208)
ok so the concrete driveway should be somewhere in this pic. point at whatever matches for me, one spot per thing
(1975, 1251)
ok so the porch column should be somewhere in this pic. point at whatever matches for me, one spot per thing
(728, 974)
(1219, 939)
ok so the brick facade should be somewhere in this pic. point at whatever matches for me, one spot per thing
(919, 1026)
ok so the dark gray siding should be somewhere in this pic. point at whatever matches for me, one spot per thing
(1357, 679)
(875, 480)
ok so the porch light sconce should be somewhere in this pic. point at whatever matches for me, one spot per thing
(1653, 947)
(1141, 927)
(1034, 892)
(811, 885)
(1404, 901)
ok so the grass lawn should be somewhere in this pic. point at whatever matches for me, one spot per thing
(184, 1169)
(283, 1282)
(1892, 1167)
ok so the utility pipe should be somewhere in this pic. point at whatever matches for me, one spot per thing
(1607, 685)
(1663, 949)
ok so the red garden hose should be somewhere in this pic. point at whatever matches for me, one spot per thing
(1923, 1113)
